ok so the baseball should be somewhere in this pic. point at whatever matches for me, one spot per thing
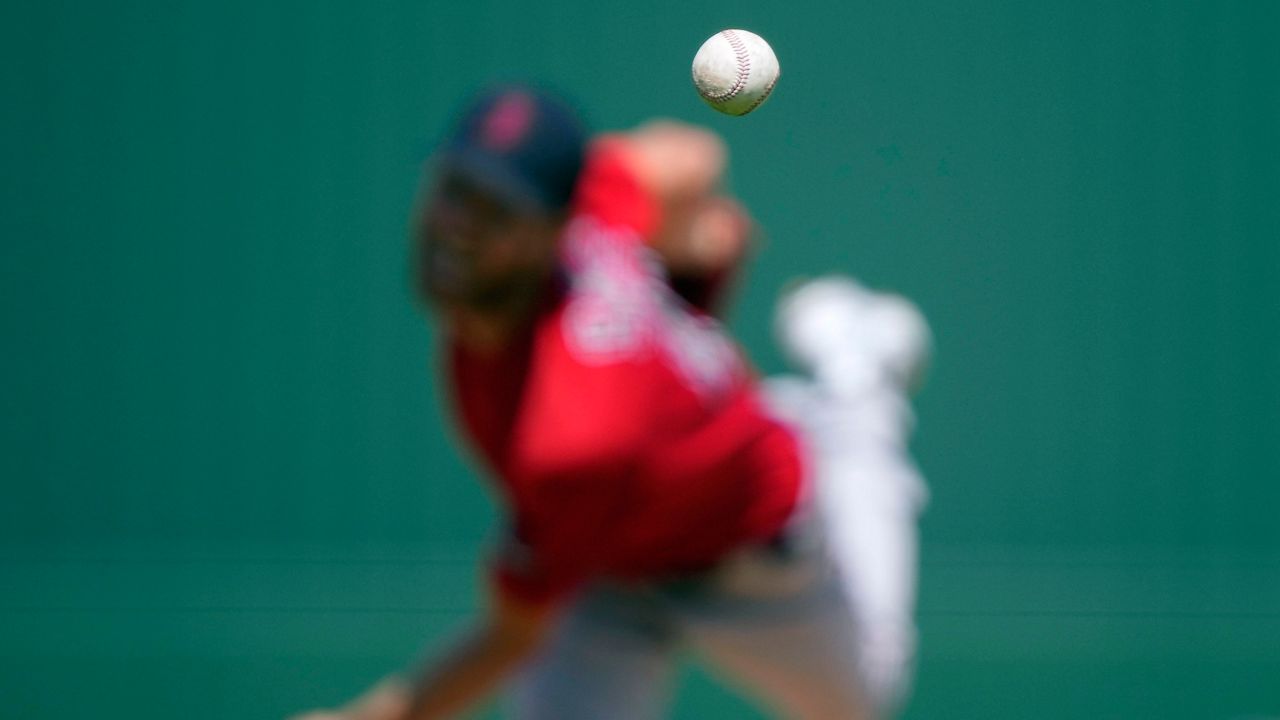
(734, 71)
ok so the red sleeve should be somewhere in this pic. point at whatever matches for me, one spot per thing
(611, 191)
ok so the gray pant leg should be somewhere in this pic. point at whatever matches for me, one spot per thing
(780, 623)
(870, 494)
(610, 658)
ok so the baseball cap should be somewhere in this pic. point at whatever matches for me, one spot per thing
(522, 143)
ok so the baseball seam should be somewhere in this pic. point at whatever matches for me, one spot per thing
(763, 95)
(743, 57)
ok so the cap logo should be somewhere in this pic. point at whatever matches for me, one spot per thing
(507, 122)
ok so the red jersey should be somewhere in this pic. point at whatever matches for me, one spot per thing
(624, 429)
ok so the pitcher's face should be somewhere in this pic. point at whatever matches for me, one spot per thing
(476, 249)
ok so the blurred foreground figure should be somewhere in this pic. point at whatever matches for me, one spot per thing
(658, 498)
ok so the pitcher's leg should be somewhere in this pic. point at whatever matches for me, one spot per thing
(778, 622)
(863, 352)
(610, 657)
(872, 527)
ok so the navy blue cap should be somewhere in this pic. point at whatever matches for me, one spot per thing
(521, 143)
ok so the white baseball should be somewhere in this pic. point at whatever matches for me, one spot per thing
(734, 71)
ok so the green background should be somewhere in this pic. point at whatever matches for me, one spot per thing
(228, 487)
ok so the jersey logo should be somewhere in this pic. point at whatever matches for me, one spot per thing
(607, 316)
(699, 348)
(621, 306)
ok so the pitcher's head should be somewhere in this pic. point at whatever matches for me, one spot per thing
(497, 193)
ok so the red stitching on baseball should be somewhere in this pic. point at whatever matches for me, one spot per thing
(744, 66)
(764, 95)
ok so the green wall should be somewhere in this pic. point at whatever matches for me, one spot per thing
(228, 486)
